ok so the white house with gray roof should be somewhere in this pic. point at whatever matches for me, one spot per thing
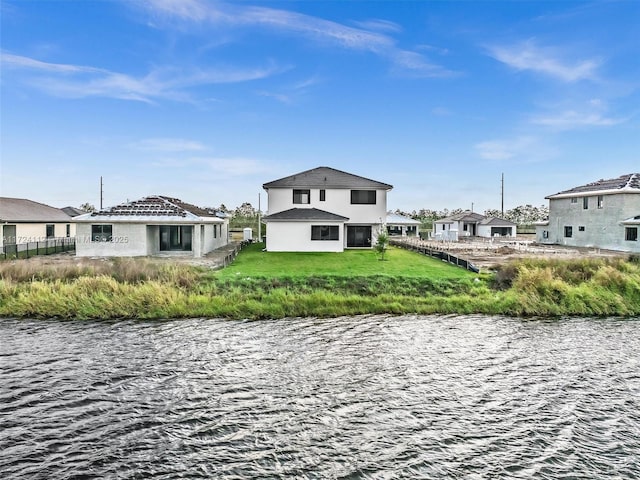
(470, 224)
(324, 210)
(154, 225)
(602, 214)
(26, 221)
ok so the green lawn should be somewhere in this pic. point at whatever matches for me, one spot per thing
(252, 262)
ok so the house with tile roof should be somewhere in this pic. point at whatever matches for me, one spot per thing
(26, 221)
(154, 225)
(602, 214)
(470, 224)
(324, 210)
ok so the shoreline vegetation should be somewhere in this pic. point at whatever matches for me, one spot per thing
(260, 285)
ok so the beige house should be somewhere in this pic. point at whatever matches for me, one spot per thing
(26, 221)
(154, 225)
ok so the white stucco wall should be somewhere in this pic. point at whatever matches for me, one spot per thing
(296, 237)
(337, 201)
(485, 230)
(129, 240)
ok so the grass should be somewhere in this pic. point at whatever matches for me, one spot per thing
(254, 262)
(276, 285)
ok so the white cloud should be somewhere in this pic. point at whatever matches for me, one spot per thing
(168, 145)
(521, 149)
(78, 81)
(529, 56)
(367, 39)
(570, 119)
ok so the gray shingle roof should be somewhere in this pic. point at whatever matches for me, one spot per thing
(497, 221)
(155, 206)
(466, 216)
(325, 177)
(624, 183)
(305, 214)
(28, 211)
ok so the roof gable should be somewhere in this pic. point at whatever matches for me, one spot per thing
(326, 177)
(23, 210)
(629, 183)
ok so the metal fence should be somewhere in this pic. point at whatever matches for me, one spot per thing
(31, 249)
(436, 253)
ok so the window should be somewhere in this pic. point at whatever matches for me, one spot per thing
(101, 233)
(51, 231)
(215, 231)
(545, 234)
(600, 201)
(568, 232)
(574, 199)
(585, 203)
(581, 229)
(68, 230)
(301, 196)
(631, 234)
(325, 232)
(323, 195)
(363, 197)
(465, 227)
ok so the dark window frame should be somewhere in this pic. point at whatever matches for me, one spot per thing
(101, 232)
(581, 228)
(631, 234)
(363, 197)
(50, 230)
(568, 231)
(600, 201)
(585, 203)
(298, 196)
(323, 195)
(325, 232)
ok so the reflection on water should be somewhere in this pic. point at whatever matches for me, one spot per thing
(367, 397)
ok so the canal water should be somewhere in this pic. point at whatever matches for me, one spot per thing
(372, 397)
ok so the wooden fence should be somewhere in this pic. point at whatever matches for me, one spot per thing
(31, 249)
(418, 246)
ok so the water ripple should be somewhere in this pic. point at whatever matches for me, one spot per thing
(372, 397)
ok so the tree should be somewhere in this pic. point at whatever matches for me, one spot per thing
(382, 242)
(87, 207)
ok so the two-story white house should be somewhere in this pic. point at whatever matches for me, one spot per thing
(602, 214)
(324, 210)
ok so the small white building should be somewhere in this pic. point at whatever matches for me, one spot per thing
(324, 209)
(26, 221)
(401, 225)
(154, 225)
(470, 224)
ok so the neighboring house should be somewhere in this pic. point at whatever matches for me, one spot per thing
(401, 225)
(603, 214)
(26, 221)
(324, 210)
(73, 211)
(153, 225)
(469, 224)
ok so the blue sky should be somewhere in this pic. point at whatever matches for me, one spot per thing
(207, 100)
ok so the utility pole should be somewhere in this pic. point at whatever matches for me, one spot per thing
(100, 192)
(502, 197)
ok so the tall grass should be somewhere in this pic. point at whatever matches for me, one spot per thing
(140, 289)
